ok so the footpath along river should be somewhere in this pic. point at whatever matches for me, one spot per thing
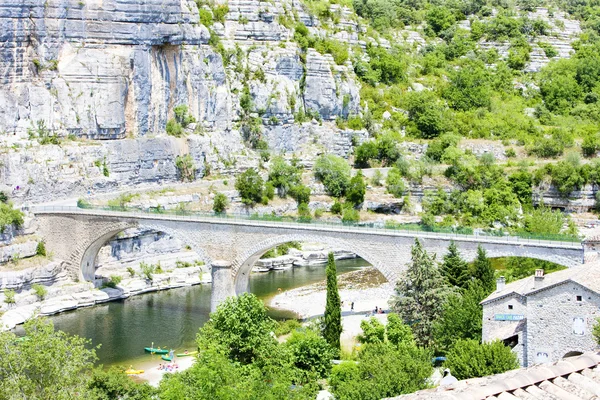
(172, 318)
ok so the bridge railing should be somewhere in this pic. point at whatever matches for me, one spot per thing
(406, 229)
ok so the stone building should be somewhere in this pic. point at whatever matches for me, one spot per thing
(545, 317)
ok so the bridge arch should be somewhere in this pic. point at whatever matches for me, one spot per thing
(86, 262)
(242, 265)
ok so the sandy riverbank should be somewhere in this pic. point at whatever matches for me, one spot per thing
(366, 288)
(153, 375)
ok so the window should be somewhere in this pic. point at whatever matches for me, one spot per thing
(510, 307)
(579, 298)
(579, 326)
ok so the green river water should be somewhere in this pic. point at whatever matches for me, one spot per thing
(171, 318)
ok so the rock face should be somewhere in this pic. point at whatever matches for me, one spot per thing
(115, 70)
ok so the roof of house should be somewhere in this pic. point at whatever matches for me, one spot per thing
(587, 275)
(573, 378)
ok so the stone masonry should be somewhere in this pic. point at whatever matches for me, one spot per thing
(76, 236)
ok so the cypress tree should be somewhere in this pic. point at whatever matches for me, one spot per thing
(333, 309)
(483, 271)
(421, 294)
(454, 268)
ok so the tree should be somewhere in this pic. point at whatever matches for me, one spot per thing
(185, 167)
(454, 268)
(283, 176)
(397, 332)
(250, 186)
(420, 294)
(334, 173)
(395, 183)
(469, 359)
(355, 193)
(427, 115)
(483, 271)
(469, 87)
(300, 193)
(240, 325)
(364, 153)
(310, 352)
(49, 365)
(461, 318)
(440, 19)
(382, 371)
(220, 203)
(333, 311)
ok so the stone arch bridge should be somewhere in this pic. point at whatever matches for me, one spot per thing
(232, 245)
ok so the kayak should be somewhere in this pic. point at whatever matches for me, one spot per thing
(134, 371)
(191, 353)
(156, 351)
(166, 358)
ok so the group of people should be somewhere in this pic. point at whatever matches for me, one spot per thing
(171, 367)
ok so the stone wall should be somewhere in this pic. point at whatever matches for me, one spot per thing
(492, 329)
(551, 322)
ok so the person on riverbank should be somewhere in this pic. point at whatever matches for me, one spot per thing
(352, 306)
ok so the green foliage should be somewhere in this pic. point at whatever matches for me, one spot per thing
(300, 193)
(397, 332)
(454, 268)
(241, 326)
(182, 116)
(596, 331)
(131, 272)
(388, 67)
(334, 173)
(287, 326)
(381, 371)
(440, 18)
(373, 331)
(310, 352)
(114, 384)
(250, 186)
(483, 272)
(304, 214)
(185, 167)
(394, 183)
(83, 203)
(220, 203)
(338, 50)
(283, 175)
(336, 208)
(9, 296)
(43, 134)
(469, 359)
(420, 295)
(206, 17)
(544, 221)
(350, 215)
(332, 320)
(461, 318)
(60, 372)
(516, 268)
(10, 216)
(147, 270)
(469, 86)
(40, 249)
(113, 281)
(174, 128)
(219, 13)
(426, 114)
(355, 194)
(40, 291)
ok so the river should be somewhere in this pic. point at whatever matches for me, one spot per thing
(171, 318)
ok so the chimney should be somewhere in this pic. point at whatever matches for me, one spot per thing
(500, 282)
(538, 279)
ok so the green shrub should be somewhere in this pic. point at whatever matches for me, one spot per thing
(9, 296)
(174, 128)
(147, 270)
(131, 271)
(39, 290)
(113, 281)
(83, 203)
(310, 352)
(250, 186)
(219, 13)
(395, 183)
(185, 167)
(287, 326)
(334, 173)
(220, 203)
(336, 208)
(304, 213)
(206, 17)
(469, 359)
(350, 215)
(40, 249)
(10, 216)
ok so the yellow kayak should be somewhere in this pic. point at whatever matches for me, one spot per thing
(134, 371)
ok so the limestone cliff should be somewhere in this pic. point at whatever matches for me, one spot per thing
(116, 69)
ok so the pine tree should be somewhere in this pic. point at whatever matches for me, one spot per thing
(483, 271)
(454, 268)
(333, 310)
(421, 294)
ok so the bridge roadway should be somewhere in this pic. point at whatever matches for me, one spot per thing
(232, 244)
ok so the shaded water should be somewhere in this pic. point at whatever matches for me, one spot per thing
(171, 318)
